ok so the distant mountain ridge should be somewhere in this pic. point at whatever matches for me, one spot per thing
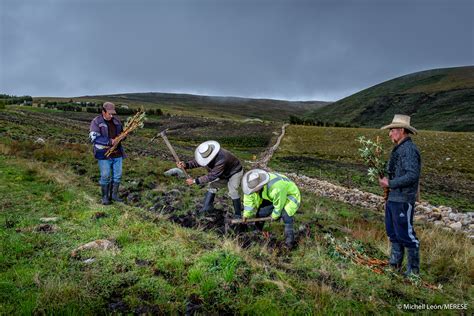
(438, 99)
(267, 109)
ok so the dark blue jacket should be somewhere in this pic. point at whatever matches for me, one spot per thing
(99, 136)
(404, 170)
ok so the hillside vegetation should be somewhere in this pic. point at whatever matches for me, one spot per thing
(221, 107)
(439, 99)
(164, 260)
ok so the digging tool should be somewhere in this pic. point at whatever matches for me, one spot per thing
(250, 220)
(233, 221)
(173, 152)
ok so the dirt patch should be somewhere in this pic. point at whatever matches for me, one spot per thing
(187, 220)
(143, 263)
(117, 305)
(212, 220)
(98, 215)
(10, 223)
(193, 305)
(79, 169)
(46, 228)
(167, 202)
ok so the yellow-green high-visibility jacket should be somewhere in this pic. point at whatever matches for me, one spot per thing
(281, 191)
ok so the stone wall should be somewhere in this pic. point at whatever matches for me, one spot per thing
(442, 216)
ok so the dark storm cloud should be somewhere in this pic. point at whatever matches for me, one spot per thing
(320, 50)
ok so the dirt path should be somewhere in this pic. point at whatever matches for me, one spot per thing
(442, 216)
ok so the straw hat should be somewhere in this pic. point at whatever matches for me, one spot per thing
(205, 152)
(254, 180)
(401, 121)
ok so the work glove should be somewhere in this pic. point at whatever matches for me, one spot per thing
(275, 216)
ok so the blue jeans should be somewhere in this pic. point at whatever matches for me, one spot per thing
(399, 224)
(110, 169)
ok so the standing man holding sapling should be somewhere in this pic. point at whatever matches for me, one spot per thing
(403, 179)
(223, 169)
(103, 132)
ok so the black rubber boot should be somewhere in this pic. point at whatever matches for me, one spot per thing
(208, 202)
(115, 192)
(396, 256)
(289, 236)
(237, 208)
(105, 194)
(110, 192)
(413, 265)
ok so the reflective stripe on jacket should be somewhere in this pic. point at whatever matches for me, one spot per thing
(281, 191)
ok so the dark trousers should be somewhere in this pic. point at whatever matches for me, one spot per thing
(266, 209)
(399, 224)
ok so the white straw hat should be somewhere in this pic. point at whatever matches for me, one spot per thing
(205, 152)
(401, 121)
(254, 180)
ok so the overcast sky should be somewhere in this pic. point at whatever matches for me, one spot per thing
(295, 50)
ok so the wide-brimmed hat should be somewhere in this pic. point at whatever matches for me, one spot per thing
(254, 180)
(207, 151)
(401, 121)
(109, 107)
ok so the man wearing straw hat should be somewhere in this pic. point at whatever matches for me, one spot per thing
(269, 193)
(403, 178)
(103, 131)
(223, 169)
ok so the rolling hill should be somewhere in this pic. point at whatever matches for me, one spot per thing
(266, 109)
(438, 99)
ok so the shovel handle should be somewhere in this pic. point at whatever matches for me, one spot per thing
(250, 220)
(173, 152)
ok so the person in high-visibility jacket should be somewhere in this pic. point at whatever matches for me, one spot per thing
(270, 193)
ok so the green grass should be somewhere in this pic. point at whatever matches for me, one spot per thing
(161, 267)
(332, 153)
(180, 263)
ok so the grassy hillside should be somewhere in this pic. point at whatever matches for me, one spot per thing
(164, 260)
(332, 153)
(219, 107)
(439, 99)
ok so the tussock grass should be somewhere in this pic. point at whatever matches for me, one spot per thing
(450, 256)
(161, 267)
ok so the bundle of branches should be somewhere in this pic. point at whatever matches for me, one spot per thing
(371, 153)
(132, 124)
(354, 251)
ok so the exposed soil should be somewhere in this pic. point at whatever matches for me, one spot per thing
(46, 228)
(193, 304)
(169, 204)
(98, 215)
(143, 263)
